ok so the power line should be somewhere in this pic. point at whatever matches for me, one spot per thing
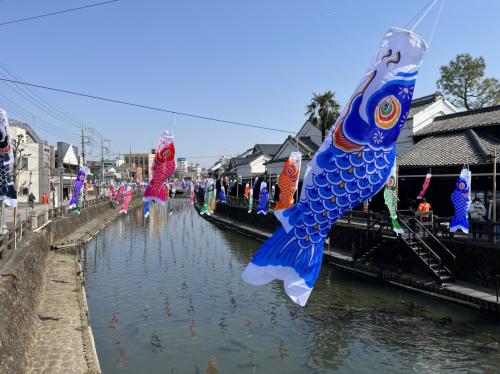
(54, 130)
(116, 101)
(29, 98)
(65, 116)
(58, 12)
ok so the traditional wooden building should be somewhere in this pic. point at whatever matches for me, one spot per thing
(307, 142)
(446, 145)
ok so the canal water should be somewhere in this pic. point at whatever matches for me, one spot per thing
(165, 296)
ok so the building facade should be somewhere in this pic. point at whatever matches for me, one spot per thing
(33, 172)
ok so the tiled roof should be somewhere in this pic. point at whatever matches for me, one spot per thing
(454, 148)
(463, 120)
(423, 102)
(246, 153)
(236, 161)
(268, 149)
(307, 141)
(306, 146)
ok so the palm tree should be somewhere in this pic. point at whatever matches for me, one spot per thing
(323, 111)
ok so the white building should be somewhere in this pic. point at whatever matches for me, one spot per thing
(182, 164)
(252, 162)
(422, 112)
(307, 142)
(34, 173)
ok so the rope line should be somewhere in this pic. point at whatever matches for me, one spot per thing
(423, 15)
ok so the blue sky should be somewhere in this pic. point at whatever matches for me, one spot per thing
(255, 62)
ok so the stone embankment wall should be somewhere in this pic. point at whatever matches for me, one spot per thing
(20, 284)
(21, 281)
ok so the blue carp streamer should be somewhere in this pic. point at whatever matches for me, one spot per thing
(263, 199)
(461, 201)
(351, 166)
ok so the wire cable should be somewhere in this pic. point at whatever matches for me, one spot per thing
(41, 98)
(39, 105)
(116, 101)
(25, 117)
(28, 117)
(58, 12)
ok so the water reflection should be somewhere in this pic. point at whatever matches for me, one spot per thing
(165, 295)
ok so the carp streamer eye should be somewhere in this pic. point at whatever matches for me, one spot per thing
(391, 182)
(163, 156)
(387, 112)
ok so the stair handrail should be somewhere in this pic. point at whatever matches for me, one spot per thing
(429, 233)
(422, 242)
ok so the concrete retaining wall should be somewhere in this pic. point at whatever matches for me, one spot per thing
(21, 281)
(20, 284)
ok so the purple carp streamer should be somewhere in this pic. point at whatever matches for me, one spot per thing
(77, 189)
(351, 166)
(7, 189)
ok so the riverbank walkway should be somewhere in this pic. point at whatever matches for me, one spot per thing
(60, 346)
(63, 340)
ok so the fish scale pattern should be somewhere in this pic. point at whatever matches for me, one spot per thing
(461, 201)
(351, 165)
(348, 179)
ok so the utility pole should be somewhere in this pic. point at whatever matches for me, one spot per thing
(83, 147)
(61, 188)
(103, 148)
(130, 160)
(102, 167)
(84, 140)
(494, 210)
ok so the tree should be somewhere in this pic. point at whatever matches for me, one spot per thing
(463, 83)
(323, 111)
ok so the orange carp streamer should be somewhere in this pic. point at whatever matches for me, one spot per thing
(288, 181)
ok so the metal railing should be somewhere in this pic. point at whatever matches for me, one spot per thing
(7, 240)
(61, 211)
(424, 247)
(428, 235)
(477, 229)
